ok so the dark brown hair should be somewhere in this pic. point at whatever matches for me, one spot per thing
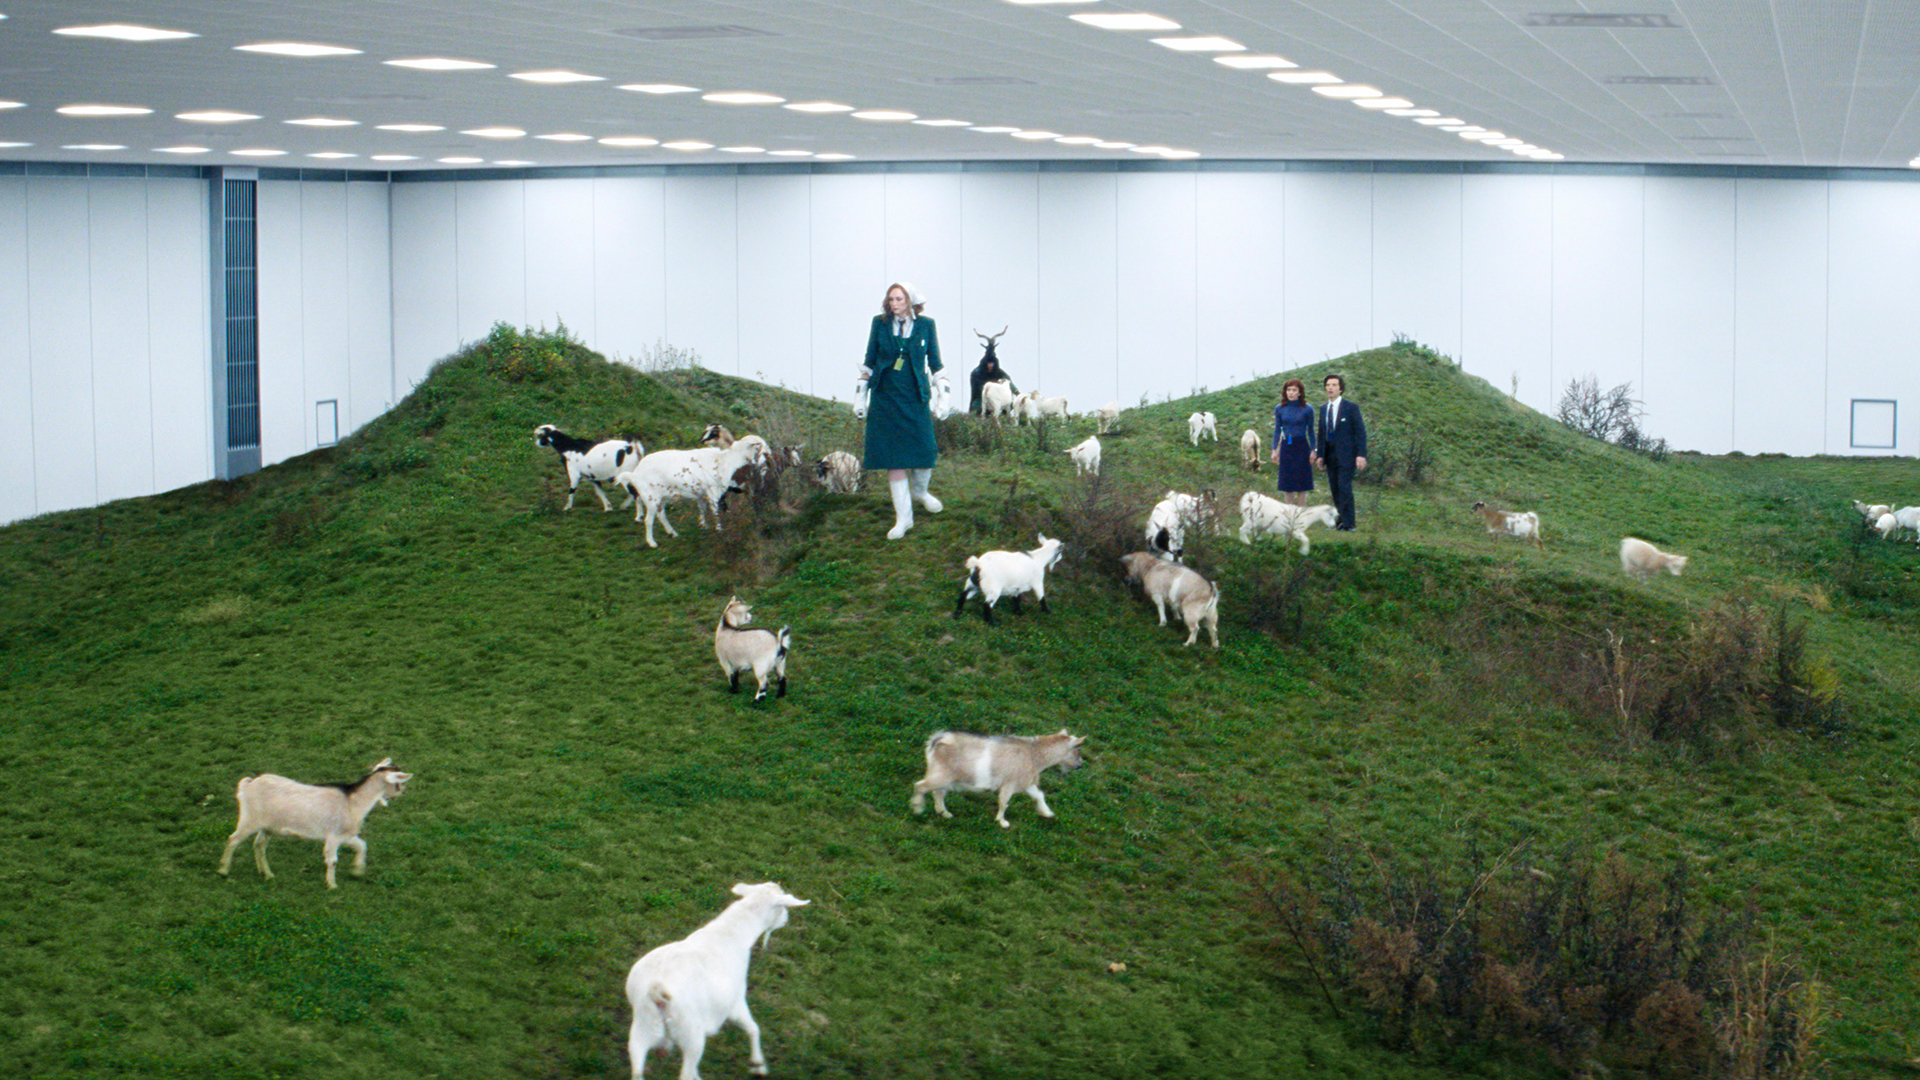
(1341, 379)
(1296, 384)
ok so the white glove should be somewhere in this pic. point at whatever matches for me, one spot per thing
(860, 399)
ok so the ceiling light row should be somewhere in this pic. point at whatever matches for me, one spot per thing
(687, 145)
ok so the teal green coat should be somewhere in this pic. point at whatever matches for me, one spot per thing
(900, 374)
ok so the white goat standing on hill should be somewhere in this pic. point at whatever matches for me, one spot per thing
(739, 649)
(596, 463)
(1106, 416)
(683, 992)
(1263, 515)
(996, 399)
(1525, 526)
(329, 813)
(1086, 456)
(1640, 560)
(704, 475)
(994, 574)
(1202, 423)
(1173, 515)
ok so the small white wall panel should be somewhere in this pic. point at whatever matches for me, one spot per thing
(1780, 319)
(16, 358)
(560, 286)
(1506, 326)
(1416, 259)
(179, 344)
(1000, 274)
(1329, 268)
(849, 277)
(1078, 353)
(1689, 298)
(60, 332)
(327, 316)
(491, 246)
(924, 249)
(629, 265)
(1872, 314)
(286, 413)
(122, 371)
(369, 305)
(703, 285)
(1598, 259)
(776, 258)
(1156, 267)
(425, 289)
(1240, 308)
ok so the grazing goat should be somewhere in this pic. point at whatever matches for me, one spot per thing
(596, 463)
(995, 574)
(1041, 408)
(1194, 597)
(1250, 449)
(683, 992)
(1086, 456)
(1640, 560)
(996, 400)
(1525, 526)
(1884, 525)
(762, 652)
(717, 435)
(1906, 519)
(329, 813)
(1106, 416)
(999, 763)
(1172, 516)
(1872, 513)
(704, 475)
(1262, 515)
(838, 472)
(1202, 423)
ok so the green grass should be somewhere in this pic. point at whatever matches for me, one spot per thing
(585, 788)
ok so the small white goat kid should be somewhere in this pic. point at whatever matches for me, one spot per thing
(1202, 423)
(683, 992)
(996, 399)
(1005, 764)
(329, 813)
(1262, 515)
(1524, 526)
(1196, 599)
(1086, 456)
(761, 652)
(1173, 515)
(1640, 560)
(1250, 449)
(995, 574)
(1106, 416)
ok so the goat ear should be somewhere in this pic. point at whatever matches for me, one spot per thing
(385, 762)
(790, 900)
(742, 889)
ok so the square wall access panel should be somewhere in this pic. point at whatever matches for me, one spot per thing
(1875, 422)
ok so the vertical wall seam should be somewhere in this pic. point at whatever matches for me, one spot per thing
(1733, 365)
(1826, 332)
(26, 291)
(93, 375)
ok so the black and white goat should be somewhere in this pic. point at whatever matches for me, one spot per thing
(596, 463)
(739, 649)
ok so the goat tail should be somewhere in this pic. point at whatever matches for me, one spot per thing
(659, 995)
(785, 638)
(973, 567)
(934, 740)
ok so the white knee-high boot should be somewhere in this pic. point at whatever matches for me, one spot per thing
(919, 487)
(902, 508)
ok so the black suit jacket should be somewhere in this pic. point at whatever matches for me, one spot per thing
(1347, 441)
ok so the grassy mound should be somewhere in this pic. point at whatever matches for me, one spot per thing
(586, 788)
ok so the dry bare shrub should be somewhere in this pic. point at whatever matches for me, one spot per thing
(1104, 518)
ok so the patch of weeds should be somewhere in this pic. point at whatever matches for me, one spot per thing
(223, 609)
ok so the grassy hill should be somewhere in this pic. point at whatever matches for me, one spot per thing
(585, 788)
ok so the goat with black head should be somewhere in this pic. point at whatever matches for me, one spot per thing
(988, 370)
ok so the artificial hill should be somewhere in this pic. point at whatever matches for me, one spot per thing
(586, 789)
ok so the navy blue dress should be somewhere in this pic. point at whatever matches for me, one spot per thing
(1293, 437)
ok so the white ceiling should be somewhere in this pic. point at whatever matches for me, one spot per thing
(1747, 82)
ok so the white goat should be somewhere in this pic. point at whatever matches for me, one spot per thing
(838, 472)
(1106, 416)
(1872, 513)
(1172, 516)
(704, 475)
(1640, 560)
(738, 649)
(1195, 598)
(995, 574)
(1202, 423)
(1086, 456)
(1042, 408)
(1262, 515)
(1525, 526)
(998, 763)
(1906, 519)
(683, 992)
(329, 813)
(596, 463)
(996, 399)
(1884, 525)
(1250, 449)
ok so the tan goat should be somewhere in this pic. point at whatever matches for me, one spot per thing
(1000, 763)
(1195, 598)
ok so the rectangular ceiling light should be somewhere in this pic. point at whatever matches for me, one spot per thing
(1252, 63)
(1305, 78)
(124, 32)
(1200, 44)
(1125, 21)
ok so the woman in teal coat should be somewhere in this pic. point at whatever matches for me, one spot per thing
(903, 360)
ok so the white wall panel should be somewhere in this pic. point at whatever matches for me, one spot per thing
(16, 358)
(776, 299)
(1872, 315)
(1239, 280)
(1506, 325)
(122, 371)
(924, 248)
(629, 265)
(1000, 275)
(1416, 259)
(369, 305)
(327, 316)
(491, 246)
(425, 287)
(1156, 275)
(1329, 266)
(1078, 342)
(1598, 259)
(703, 282)
(285, 410)
(60, 332)
(849, 276)
(1780, 316)
(179, 343)
(1689, 298)
(560, 256)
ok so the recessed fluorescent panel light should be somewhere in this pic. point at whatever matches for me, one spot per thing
(1461, 127)
(554, 78)
(1150, 149)
(660, 88)
(686, 145)
(462, 161)
(1179, 155)
(743, 149)
(565, 136)
(1413, 112)
(411, 127)
(1126, 21)
(1077, 140)
(512, 162)
(324, 121)
(1113, 146)
(257, 152)
(994, 130)
(1036, 136)
(945, 123)
(93, 146)
(882, 114)
(495, 132)
(1439, 121)
(180, 149)
(296, 48)
(124, 32)
(12, 104)
(1483, 136)
(742, 97)
(629, 141)
(393, 157)
(789, 153)
(332, 155)
(215, 116)
(833, 157)
(103, 110)
(1383, 103)
(13, 145)
(439, 63)
(1254, 63)
(1347, 90)
(1200, 44)
(1304, 78)
(819, 107)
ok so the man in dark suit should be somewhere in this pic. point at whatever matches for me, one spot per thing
(1342, 447)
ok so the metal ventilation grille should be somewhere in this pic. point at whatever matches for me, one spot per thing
(241, 269)
(693, 33)
(1597, 21)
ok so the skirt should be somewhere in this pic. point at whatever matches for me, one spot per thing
(1296, 472)
(899, 427)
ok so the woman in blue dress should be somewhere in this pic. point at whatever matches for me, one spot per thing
(1293, 442)
(903, 360)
